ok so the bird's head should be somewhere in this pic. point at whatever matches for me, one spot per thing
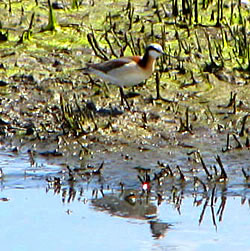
(155, 50)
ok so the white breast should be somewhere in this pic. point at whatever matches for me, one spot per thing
(129, 75)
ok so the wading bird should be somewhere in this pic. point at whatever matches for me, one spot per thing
(127, 71)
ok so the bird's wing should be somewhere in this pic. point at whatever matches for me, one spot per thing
(111, 64)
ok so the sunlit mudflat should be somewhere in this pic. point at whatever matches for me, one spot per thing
(81, 171)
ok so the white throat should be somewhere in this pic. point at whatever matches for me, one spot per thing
(154, 54)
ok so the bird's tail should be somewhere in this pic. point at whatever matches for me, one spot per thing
(86, 69)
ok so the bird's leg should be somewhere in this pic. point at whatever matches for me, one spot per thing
(123, 98)
(122, 95)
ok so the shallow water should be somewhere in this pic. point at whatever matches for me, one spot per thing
(36, 220)
(37, 215)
